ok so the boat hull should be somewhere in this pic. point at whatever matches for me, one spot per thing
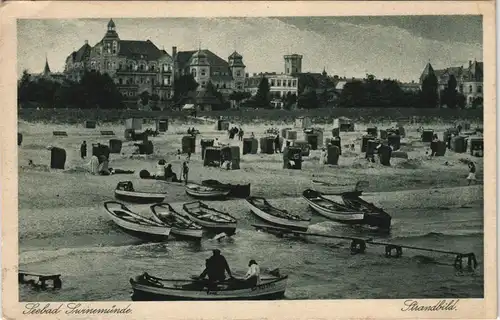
(277, 221)
(228, 228)
(344, 217)
(187, 233)
(267, 291)
(139, 197)
(198, 191)
(235, 190)
(153, 233)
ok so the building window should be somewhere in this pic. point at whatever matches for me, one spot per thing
(152, 67)
(296, 70)
(289, 83)
(287, 70)
(120, 80)
(193, 72)
(278, 83)
(239, 86)
(479, 89)
(168, 94)
(153, 81)
(203, 84)
(115, 46)
(203, 72)
(109, 65)
(141, 67)
(470, 88)
(147, 80)
(272, 82)
(238, 73)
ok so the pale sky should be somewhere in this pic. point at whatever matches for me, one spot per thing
(388, 47)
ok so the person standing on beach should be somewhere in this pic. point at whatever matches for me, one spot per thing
(472, 173)
(185, 172)
(83, 150)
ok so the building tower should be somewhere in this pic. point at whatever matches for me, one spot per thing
(293, 64)
(237, 70)
(111, 41)
(46, 69)
(200, 68)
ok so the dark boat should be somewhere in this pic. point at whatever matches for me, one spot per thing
(125, 191)
(210, 218)
(375, 216)
(236, 190)
(181, 225)
(149, 288)
(134, 224)
(264, 210)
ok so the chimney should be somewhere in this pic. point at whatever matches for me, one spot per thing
(174, 52)
(86, 42)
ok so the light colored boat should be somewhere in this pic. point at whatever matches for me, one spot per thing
(264, 210)
(204, 192)
(181, 225)
(125, 192)
(149, 288)
(134, 224)
(331, 209)
(210, 218)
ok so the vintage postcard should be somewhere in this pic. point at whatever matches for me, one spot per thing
(264, 160)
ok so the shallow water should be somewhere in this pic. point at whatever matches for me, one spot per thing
(96, 259)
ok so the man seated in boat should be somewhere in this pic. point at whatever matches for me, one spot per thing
(216, 267)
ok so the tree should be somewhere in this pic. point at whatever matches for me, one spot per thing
(290, 100)
(238, 96)
(429, 91)
(262, 98)
(449, 96)
(308, 99)
(182, 85)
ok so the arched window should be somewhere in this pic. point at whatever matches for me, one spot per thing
(115, 46)
(193, 72)
(470, 88)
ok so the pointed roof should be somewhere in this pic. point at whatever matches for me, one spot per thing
(46, 70)
(235, 55)
(428, 70)
(111, 24)
(199, 58)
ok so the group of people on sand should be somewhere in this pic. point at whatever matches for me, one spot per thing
(165, 172)
(216, 267)
(236, 131)
(99, 165)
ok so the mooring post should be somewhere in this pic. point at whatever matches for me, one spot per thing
(358, 246)
(389, 249)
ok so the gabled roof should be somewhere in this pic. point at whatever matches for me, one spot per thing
(145, 50)
(183, 59)
(82, 53)
(235, 55)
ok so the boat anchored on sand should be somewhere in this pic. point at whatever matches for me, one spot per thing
(210, 218)
(149, 288)
(204, 192)
(134, 224)
(181, 225)
(279, 217)
(125, 191)
(331, 209)
(235, 190)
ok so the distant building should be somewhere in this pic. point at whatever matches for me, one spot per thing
(204, 65)
(293, 81)
(410, 86)
(47, 74)
(135, 66)
(469, 79)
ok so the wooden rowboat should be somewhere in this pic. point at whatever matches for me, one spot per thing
(331, 209)
(149, 288)
(125, 191)
(181, 225)
(198, 191)
(134, 223)
(210, 218)
(264, 210)
(236, 190)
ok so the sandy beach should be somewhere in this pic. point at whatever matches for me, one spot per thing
(61, 215)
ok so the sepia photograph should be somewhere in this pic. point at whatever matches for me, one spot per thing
(272, 158)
